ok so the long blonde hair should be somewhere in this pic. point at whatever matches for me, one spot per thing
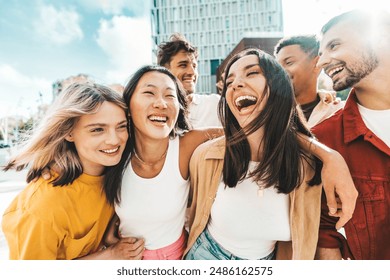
(47, 146)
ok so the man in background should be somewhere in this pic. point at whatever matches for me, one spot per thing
(299, 55)
(181, 58)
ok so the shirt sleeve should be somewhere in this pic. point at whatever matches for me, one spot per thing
(28, 237)
(329, 237)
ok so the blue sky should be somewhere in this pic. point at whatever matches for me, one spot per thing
(42, 41)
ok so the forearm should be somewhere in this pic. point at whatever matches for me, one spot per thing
(336, 179)
(312, 146)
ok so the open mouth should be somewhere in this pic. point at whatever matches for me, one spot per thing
(110, 151)
(245, 101)
(333, 72)
(158, 119)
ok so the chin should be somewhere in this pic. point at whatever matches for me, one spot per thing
(112, 162)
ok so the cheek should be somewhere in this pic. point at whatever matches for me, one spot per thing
(230, 104)
(82, 149)
(137, 112)
(229, 98)
(133, 106)
(124, 136)
(175, 72)
(175, 109)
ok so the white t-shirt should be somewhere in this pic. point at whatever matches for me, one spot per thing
(248, 224)
(203, 110)
(154, 209)
(378, 121)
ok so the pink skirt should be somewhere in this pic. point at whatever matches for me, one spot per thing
(171, 252)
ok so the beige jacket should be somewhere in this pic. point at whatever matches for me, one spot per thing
(206, 171)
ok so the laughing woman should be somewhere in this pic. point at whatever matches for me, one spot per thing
(82, 136)
(152, 199)
(255, 193)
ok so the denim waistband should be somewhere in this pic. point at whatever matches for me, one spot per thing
(228, 255)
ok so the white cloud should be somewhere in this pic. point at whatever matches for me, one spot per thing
(127, 43)
(58, 26)
(20, 94)
(109, 7)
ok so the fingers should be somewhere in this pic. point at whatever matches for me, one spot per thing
(46, 173)
(110, 236)
(132, 248)
(331, 201)
(338, 208)
(138, 249)
(337, 101)
(342, 221)
(347, 203)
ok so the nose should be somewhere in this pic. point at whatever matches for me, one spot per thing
(323, 60)
(192, 70)
(237, 83)
(160, 103)
(112, 137)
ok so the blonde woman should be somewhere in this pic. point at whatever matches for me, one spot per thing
(82, 136)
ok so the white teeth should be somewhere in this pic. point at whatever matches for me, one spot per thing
(244, 97)
(110, 151)
(334, 70)
(158, 118)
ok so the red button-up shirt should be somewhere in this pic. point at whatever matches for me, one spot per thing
(368, 159)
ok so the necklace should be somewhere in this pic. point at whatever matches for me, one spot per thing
(260, 185)
(150, 163)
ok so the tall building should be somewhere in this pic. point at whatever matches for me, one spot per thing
(215, 27)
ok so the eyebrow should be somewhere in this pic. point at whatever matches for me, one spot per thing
(187, 61)
(154, 86)
(103, 124)
(288, 57)
(245, 68)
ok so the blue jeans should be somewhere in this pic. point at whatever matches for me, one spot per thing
(206, 248)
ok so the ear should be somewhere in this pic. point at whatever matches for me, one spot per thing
(316, 69)
(69, 138)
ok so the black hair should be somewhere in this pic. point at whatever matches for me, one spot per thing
(182, 125)
(281, 163)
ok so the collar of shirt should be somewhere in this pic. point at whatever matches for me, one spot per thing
(354, 125)
(195, 99)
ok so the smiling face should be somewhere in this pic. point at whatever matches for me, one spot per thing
(245, 89)
(185, 67)
(300, 66)
(100, 138)
(346, 56)
(154, 106)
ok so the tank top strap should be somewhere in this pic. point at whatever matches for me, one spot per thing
(171, 165)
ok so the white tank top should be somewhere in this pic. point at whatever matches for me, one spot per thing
(154, 209)
(247, 222)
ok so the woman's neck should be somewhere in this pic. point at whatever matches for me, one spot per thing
(151, 151)
(256, 144)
